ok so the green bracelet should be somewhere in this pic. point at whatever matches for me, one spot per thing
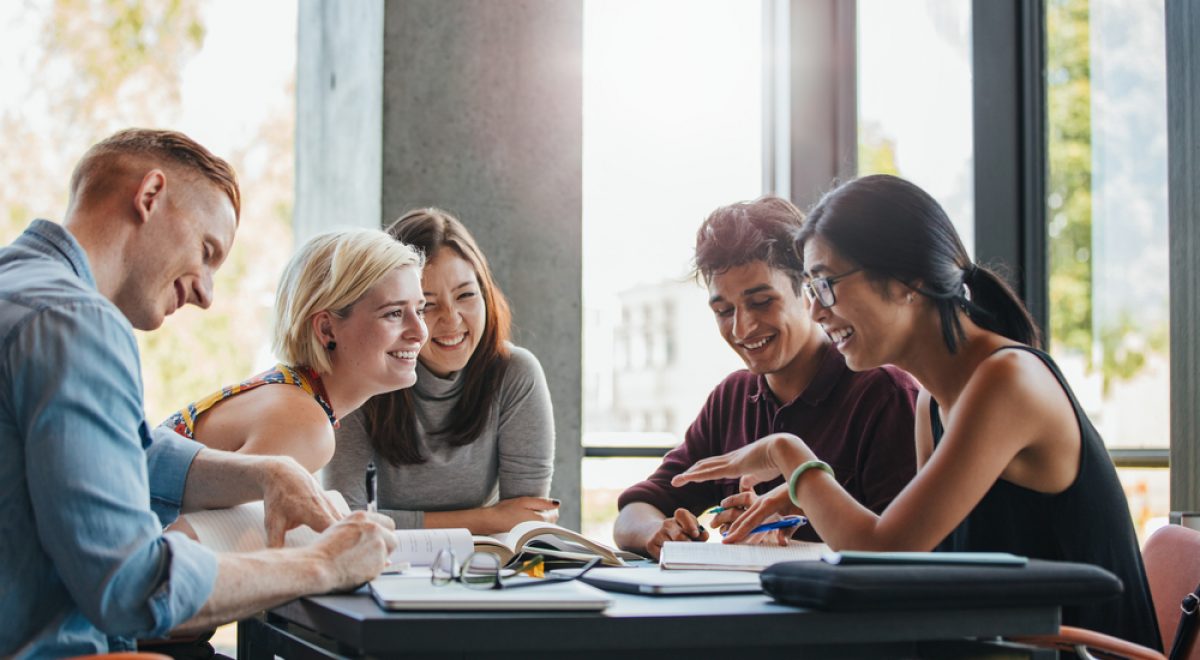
(820, 465)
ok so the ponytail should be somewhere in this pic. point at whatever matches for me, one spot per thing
(993, 305)
(895, 230)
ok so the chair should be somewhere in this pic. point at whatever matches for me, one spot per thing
(1172, 558)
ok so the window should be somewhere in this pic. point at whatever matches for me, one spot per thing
(914, 100)
(1106, 210)
(672, 130)
(74, 77)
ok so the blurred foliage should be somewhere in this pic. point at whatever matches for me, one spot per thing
(104, 65)
(1069, 148)
(876, 152)
(1121, 349)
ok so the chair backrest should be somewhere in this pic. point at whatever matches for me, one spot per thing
(1172, 556)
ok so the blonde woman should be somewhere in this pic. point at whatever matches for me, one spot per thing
(472, 445)
(348, 325)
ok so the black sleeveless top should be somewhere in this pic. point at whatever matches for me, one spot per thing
(1089, 522)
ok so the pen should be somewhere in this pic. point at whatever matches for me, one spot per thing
(721, 509)
(782, 523)
(371, 492)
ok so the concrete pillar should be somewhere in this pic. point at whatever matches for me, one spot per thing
(339, 115)
(480, 113)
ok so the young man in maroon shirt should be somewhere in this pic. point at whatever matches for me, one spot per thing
(795, 381)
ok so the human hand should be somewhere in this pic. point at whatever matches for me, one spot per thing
(683, 526)
(734, 506)
(355, 549)
(766, 508)
(755, 460)
(291, 498)
(506, 514)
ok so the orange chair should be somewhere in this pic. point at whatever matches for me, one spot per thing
(1172, 557)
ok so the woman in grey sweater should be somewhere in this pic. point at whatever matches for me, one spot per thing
(472, 444)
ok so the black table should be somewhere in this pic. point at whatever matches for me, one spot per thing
(637, 627)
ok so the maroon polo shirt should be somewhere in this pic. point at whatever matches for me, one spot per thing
(861, 423)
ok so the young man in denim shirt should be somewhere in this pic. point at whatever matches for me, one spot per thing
(85, 490)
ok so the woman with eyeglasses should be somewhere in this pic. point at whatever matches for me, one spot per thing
(472, 444)
(1007, 459)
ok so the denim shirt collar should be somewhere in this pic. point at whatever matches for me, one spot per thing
(53, 240)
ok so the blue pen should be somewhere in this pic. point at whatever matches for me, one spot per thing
(782, 523)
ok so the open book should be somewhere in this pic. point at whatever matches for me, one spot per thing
(543, 538)
(721, 557)
(241, 529)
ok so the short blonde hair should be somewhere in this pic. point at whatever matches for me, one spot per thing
(331, 272)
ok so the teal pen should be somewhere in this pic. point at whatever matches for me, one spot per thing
(720, 509)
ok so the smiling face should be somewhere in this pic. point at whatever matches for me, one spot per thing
(455, 312)
(378, 341)
(762, 318)
(868, 323)
(178, 249)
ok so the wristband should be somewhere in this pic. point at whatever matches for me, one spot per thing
(804, 467)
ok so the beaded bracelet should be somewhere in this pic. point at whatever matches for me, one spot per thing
(820, 465)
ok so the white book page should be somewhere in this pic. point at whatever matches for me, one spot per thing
(419, 547)
(242, 528)
(718, 556)
(236, 529)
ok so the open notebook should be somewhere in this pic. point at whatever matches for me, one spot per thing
(722, 557)
(240, 529)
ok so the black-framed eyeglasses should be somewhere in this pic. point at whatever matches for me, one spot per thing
(820, 289)
(482, 570)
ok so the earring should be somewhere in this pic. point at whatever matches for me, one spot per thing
(331, 345)
(910, 297)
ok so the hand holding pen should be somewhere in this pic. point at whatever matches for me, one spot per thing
(732, 507)
(766, 509)
(786, 522)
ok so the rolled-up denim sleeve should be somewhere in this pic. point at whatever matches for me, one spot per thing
(79, 410)
(169, 456)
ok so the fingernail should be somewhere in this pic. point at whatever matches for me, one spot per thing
(556, 502)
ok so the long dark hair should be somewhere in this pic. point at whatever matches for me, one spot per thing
(895, 230)
(391, 422)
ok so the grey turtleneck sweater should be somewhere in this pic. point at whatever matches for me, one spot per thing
(513, 457)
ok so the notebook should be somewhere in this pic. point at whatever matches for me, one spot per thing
(722, 557)
(401, 593)
(654, 581)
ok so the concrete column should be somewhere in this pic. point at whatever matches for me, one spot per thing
(480, 113)
(339, 115)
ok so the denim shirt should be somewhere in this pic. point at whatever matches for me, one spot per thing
(85, 490)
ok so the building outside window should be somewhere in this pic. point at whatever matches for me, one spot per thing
(672, 130)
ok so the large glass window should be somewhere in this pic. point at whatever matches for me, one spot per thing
(1106, 212)
(914, 99)
(672, 129)
(75, 71)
